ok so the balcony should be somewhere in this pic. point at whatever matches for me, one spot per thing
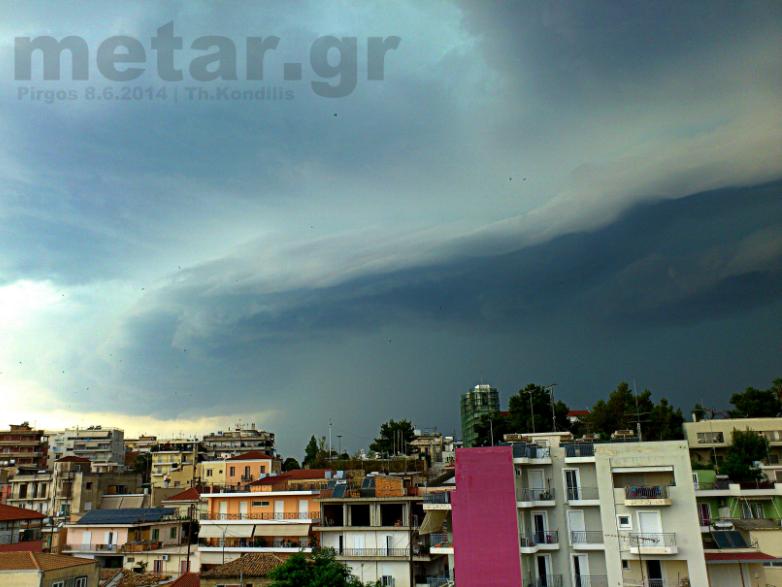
(653, 543)
(527, 497)
(580, 452)
(591, 581)
(645, 495)
(544, 581)
(437, 501)
(531, 453)
(141, 546)
(582, 496)
(380, 552)
(586, 540)
(538, 541)
(263, 516)
(440, 543)
(107, 548)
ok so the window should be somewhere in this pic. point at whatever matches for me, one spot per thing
(158, 566)
(263, 469)
(387, 581)
(624, 522)
(232, 471)
(711, 437)
(172, 534)
(209, 472)
(80, 582)
(155, 534)
(88, 485)
(625, 564)
(260, 504)
(58, 584)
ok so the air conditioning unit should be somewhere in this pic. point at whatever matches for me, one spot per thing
(164, 557)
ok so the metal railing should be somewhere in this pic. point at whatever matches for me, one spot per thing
(534, 494)
(523, 450)
(652, 539)
(580, 492)
(646, 492)
(716, 484)
(264, 516)
(93, 547)
(440, 539)
(438, 581)
(535, 538)
(379, 552)
(141, 546)
(544, 581)
(586, 537)
(441, 497)
(591, 581)
(580, 449)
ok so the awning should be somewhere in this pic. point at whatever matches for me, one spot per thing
(274, 530)
(228, 530)
(433, 521)
(660, 469)
(737, 557)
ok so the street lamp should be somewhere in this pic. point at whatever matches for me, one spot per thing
(531, 409)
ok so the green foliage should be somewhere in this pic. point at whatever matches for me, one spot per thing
(315, 454)
(747, 447)
(521, 416)
(321, 570)
(290, 464)
(757, 403)
(623, 409)
(394, 438)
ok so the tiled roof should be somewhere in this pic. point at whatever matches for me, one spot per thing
(125, 516)
(575, 413)
(190, 494)
(39, 561)
(72, 459)
(187, 580)
(9, 513)
(252, 456)
(254, 564)
(295, 475)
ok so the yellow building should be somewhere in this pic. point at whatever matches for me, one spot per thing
(212, 473)
(174, 464)
(33, 569)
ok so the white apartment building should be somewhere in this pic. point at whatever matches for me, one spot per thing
(593, 515)
(96, 443)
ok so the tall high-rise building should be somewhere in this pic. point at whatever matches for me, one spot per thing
(480, 401)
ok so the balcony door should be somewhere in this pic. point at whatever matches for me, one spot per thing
(649, 523)
(577, 526)
(279, 508)
(539, 527)
(304, 507)
(572, 483)
(543, 570)
(243, 510)
(581, 570)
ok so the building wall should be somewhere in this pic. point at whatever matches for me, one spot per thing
(91, 572)
(212, 473)
(259, 503)
(257, 469)
(176, 558)
(479, 401)
(485, 529)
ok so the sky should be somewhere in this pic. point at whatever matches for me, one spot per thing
(578, 193)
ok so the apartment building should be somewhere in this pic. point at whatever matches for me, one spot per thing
(142, 444)
(174, 463)
(22, 446)
(272, 517)
(586, 514)
(70, 488)
(241, 439)
(108, 536)
(96, 443)
(478, 402)
(373, 528)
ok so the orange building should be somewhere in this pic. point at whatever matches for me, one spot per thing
(276, 514)
(243, 469)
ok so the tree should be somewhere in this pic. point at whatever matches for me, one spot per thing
(747, 448)
(492, 425)
(322, 570)
(757, 403)
(290, 464)
(394, 438)
(665, 423)
(315, 454)
(142, 466)
(624, 409)
(521, 416)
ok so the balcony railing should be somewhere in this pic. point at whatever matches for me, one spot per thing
(142, 546)
(653, 539)
(579, 493)
(646, 492)
(716, 484)
(591, 581)
(544, 581)
(580, 449)
(536, 538)
(530, 451)
(440, 539)
(534, 494)
(264, 516)
(442, 497)
(586, 537)
(379, 552)
(93, 547)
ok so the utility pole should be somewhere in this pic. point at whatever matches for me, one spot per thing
(531, 409)
(637, 414)
(339, 444)
(329, 439)
(550, 388)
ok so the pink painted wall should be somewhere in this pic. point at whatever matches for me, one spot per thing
(485, 522)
